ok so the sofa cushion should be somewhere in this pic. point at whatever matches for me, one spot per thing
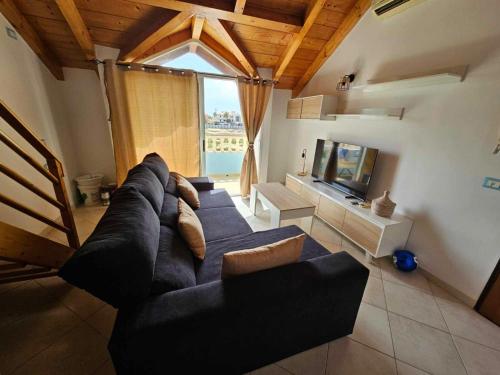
(241, 262)
(171, 187)
(116, 263)
(223, 222)
(169, 212)
(215, 198)
(187, 191)
(190, 229)
(210, 269)
(158, 166)
(174, 268)
(145, 181)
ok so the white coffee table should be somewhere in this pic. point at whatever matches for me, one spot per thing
(283, 203)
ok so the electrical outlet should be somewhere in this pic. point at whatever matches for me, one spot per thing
(11, 32)
(491, 183)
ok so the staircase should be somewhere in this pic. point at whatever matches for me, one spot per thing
(25, 255)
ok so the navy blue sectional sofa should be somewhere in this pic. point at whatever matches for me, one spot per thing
(176, 315)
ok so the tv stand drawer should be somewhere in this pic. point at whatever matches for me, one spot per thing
(331, 212)
(364, 233)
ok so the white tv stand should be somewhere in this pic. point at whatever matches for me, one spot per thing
(378, 236)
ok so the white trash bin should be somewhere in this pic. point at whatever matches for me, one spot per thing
(89, 186)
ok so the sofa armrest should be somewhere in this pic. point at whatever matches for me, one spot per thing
(201, 183)
(240, 324)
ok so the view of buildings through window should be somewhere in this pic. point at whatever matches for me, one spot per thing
(225, 139)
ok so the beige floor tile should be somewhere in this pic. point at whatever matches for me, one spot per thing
(24, 301)
(78, 300)
(374, 293)
(6, 287)
(406, 369)
(439, 292)
(372, 329)
(414, 304)
(310, 362)
(270, 370)
(465, 322)
(348, 357)
(85, 229)
(425, 347)
(34, 331)
(411, 279)
(106, 369)
(80, 351)
(103, 320)
(478, 359)
(90, 214)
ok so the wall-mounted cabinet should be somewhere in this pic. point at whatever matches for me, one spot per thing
(311, 107)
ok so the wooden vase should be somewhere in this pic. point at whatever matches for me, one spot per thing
(383, 206)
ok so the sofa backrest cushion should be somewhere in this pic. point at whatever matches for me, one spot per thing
(169, 212)
(145, 181)
(158, 166)
(174, 268)
(116, 263)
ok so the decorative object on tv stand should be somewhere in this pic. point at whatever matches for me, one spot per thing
(345, 82)
(303, 157)
(383, 206)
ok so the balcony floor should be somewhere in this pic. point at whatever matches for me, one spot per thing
(229, 182)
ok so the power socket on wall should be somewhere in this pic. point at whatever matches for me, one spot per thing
(491, 183)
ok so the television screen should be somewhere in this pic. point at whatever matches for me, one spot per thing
(347, 167)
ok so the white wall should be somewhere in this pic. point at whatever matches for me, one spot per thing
(31, 91)
(433, 161)
(87, 119)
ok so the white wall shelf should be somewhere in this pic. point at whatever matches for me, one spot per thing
(370, 114)
(444, 76)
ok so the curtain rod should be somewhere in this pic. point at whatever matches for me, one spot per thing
(217, 75)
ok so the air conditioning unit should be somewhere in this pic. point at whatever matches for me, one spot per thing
(388, 8)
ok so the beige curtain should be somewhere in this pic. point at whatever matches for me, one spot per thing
(254, 96)
(153, 110)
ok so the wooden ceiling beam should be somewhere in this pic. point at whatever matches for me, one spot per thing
(169, 28)
(201, 10)
(24, 28)
(231, 40)
(197, 27)
(77, 26)
(312, 13)
(239, 6)
(351, 19)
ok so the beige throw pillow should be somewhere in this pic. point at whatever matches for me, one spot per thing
(190, 228)
(261, 258)
(187, 191)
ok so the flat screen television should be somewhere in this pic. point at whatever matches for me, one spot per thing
(344, 166)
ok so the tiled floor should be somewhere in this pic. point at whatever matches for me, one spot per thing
(406, 325)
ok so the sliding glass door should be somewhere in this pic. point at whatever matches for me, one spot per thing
(223, 137)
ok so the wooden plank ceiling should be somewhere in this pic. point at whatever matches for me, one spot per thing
(293, 37)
